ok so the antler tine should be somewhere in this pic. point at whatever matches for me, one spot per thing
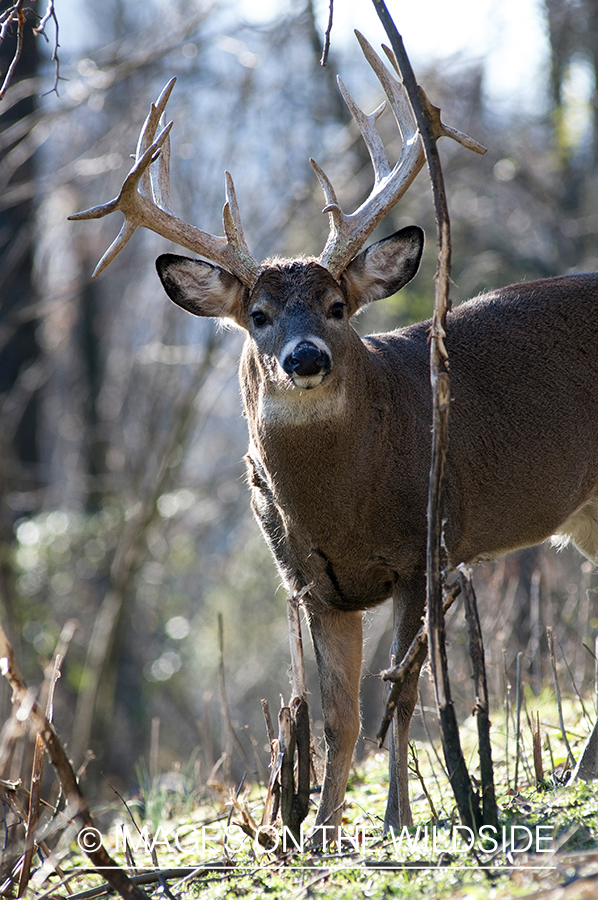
(160, 179)
(393, 88)
(231, 219)
(126, 203)
(145, 201)
(369, 132)
(349, 232)
(147, 135)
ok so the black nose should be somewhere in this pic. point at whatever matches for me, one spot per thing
(306, 359)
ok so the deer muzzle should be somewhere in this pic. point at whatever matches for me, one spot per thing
(307, 363)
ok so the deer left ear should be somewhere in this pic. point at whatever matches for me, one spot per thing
(383, 268)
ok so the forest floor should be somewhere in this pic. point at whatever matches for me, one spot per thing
(546, 844)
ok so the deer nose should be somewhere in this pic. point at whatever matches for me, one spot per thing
(306, 359)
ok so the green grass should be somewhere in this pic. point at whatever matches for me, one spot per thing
(197, 828)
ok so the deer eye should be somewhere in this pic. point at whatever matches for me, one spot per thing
(259, 318)
(337, 310)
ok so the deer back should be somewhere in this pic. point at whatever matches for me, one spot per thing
(523, 452)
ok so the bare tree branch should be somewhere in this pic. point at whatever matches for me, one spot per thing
(326, 48)
(12, 16)
(51, 14)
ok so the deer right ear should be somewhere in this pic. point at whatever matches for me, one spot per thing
(201, 288)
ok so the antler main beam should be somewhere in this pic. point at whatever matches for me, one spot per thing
(145, 201)
(349, 232)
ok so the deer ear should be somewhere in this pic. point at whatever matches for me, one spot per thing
(383, 268)
(201, 288)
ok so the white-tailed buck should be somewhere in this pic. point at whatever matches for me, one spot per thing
(339, 427)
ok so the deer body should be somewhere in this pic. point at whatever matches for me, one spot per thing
(340, 427)
(339, 453)
(342, 498)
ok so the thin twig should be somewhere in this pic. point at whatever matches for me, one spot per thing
(575, 688)
(417, 772)
(557, 690)
(223, 697)
(517, 721)
(326, 50)
(12, 15)
(549, 745)
(184, 872)
(507, 687)
(482, 706)
(430, 739)
(412, 660)
(51, 14)
(398, 673)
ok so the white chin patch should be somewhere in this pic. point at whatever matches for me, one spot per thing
(306, 382)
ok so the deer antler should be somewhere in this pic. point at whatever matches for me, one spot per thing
(349, 232)
(145, 195)
(145, 201)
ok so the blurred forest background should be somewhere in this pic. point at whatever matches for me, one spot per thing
(122, 496)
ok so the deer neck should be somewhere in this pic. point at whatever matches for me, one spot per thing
(314, 436)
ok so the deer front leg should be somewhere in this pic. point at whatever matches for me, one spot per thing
(408, 611)
(338, 644)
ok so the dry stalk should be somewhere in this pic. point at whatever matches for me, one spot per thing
(38, 760)
(557, 690)
(517, 723)
(414, 766)
(482, 708)
(272, 802)
(294, 731)
(77, 807)
(249, 826)
(537, 748)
